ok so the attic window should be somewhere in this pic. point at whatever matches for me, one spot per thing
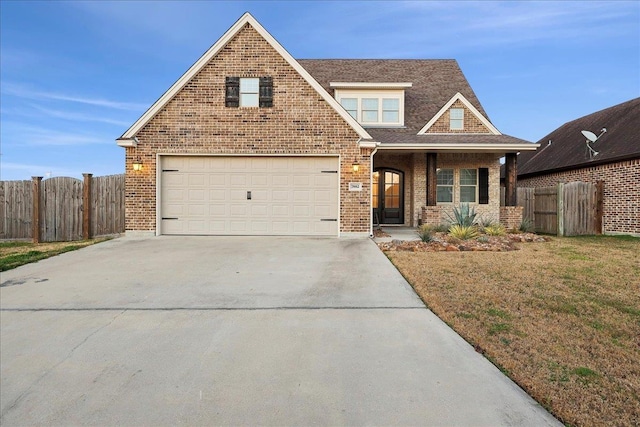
(249, 92)
(456, 119)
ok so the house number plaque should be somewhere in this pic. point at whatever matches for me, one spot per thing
(355, 186)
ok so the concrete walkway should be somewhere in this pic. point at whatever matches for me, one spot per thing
(237, 331)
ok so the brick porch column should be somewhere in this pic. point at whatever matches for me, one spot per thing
(432, 181)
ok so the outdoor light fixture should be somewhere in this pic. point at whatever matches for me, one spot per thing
(137, 165)
(356, 166)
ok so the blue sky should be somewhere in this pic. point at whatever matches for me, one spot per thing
(76, 75)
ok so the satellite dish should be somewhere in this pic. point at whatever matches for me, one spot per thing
(590, 135)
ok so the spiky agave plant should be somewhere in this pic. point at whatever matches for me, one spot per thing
(463, 232)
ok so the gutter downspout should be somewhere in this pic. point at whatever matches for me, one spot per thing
(375, 150)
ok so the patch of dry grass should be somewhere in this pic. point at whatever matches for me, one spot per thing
(16, 253)
(561, 318)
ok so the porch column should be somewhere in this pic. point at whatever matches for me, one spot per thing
(432, 181)
(510, 180)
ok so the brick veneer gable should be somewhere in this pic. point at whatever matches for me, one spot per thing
(471, 124)
(621, 213)
(196, 121)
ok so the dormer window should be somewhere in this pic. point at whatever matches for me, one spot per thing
(373, 104)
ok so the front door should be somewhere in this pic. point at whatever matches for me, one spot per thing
(388, 196)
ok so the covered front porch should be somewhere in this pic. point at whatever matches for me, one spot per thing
(423, 187)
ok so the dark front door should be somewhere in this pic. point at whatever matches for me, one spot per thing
(388, 196)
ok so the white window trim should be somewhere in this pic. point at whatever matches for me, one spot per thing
(457, 186)
(460, 185)
(359, 95)
(458, 97)
(452, 119)
(257, 93)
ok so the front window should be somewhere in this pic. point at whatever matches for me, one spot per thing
(390, 110)
(456, 118)
(444, 189)
(369, 110)
(351, 105)
(468, 185)
(249, 89)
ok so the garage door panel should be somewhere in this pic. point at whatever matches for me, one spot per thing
(289, 195)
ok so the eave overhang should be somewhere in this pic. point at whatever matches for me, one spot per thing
(458, 148)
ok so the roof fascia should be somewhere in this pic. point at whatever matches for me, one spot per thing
(459, 97)
(370, 85)
(213, 51)
(460, 147)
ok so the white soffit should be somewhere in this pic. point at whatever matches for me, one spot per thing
(213, 51)
(459, 97)
(369, 85)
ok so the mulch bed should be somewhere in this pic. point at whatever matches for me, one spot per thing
(442, 242)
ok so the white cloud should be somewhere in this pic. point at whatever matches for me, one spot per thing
(17, 134)
(66, 115)
(21, 91)
(14, 170)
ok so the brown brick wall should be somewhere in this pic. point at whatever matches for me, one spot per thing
(511, 217)
(470, 122)
(197, 121)
(621, 191)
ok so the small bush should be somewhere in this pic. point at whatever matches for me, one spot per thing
(495, 230)
(441, 228)
(464, 215)
(483, 239)
(462, 232)
(527, 226)
(425, 232)
(485, 222)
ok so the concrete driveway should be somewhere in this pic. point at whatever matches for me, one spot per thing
(237, 331)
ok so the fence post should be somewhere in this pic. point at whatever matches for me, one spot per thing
(86, 206)
(35, 224)
(599, 206)
(560, 210)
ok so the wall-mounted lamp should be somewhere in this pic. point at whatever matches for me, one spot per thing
(356, 166)
(137, 165)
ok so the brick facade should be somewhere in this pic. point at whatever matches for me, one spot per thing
(511, 217)
(621, 191)
(196, 121)
(471, 124)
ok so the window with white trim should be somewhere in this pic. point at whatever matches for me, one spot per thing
(249, 91)
(374, 108)
(444, 188)
(456, 118)
(468, 185)
(351, 105)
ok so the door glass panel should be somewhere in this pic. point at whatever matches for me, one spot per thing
(376, 176)
(391, 190)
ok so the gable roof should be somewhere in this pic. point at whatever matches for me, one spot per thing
(434, 82)
(459, 97)
(128, 138)
(568, 146)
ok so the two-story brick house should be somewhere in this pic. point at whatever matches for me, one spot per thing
(250, 141)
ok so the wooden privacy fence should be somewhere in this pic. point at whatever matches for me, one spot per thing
(570, 209)
(62, 208)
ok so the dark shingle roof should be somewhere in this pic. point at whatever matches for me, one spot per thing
(398, 136)
(435, 81)
(568, 146)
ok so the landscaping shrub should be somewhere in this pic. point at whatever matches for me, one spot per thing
(463, 232)
(495, 230)
(464, 216)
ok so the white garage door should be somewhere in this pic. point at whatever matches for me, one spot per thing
(249, 195)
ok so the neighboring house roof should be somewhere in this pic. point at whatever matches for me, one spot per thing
(128, 138)
(568, 148)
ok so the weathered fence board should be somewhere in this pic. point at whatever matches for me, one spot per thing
(580, 201)
(580, 204)
(107, 201)
(16, 205)
(545, 214)
(61, 208)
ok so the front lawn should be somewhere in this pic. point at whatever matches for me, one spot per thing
(561, 318)
(16, 253)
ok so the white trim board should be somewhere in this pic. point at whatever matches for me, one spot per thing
(459, 97)
(212, 52)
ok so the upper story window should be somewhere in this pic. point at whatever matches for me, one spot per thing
(249, 92)
(249, 89)
(373, 104)
(456, 119)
